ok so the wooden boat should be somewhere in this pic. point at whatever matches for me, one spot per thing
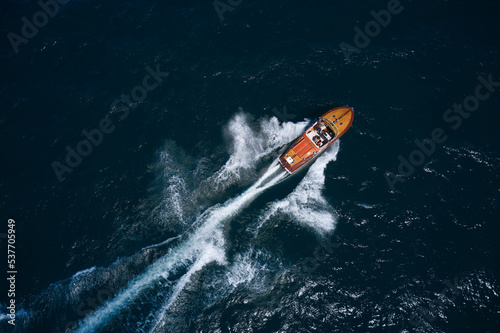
(317, 138)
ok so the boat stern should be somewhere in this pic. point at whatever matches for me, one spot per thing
(285, 164)
(301, 151)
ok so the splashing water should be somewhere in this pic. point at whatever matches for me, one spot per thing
(209, 254)
(249, 142)
(201, 241)
(250, 145)
(204, 245)
(306, 204)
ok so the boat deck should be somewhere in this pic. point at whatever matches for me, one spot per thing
(329, 127)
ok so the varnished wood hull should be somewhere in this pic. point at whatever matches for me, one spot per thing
(316, 139)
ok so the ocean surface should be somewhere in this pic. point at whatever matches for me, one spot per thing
(138, 163)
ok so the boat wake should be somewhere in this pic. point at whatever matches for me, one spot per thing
(306, 204)
(250, 144)
(200, 247)
(203, 246)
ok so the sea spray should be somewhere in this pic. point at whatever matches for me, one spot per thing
(305, 204)
(207, 236)
(185, 185)
(210, 254)
(182, 180)
(250, 143)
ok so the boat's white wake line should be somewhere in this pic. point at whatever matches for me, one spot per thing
(210, 254)
(184, 187)
(186, 184)
(306, 204)
(204, 245)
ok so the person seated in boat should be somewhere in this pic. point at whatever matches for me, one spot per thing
(320, 132)
(317, 140)
(328, 133)
(320, 125)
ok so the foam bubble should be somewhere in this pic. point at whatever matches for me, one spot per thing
(83, 273)
(251, 268)
(365, 205)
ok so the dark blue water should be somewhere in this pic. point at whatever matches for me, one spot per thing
(177, 218)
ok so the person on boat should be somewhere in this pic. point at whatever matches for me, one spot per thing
(317, 140)
(319, 126)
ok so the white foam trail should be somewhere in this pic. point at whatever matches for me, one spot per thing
(249, 269)
(181, 184)
(161, 243)
(306, 204)
(184, 181)
(249, 145)
(83, 272)
(174, 190)
(209, 254)
(209, 235)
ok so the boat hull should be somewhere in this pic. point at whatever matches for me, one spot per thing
(317, 138)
